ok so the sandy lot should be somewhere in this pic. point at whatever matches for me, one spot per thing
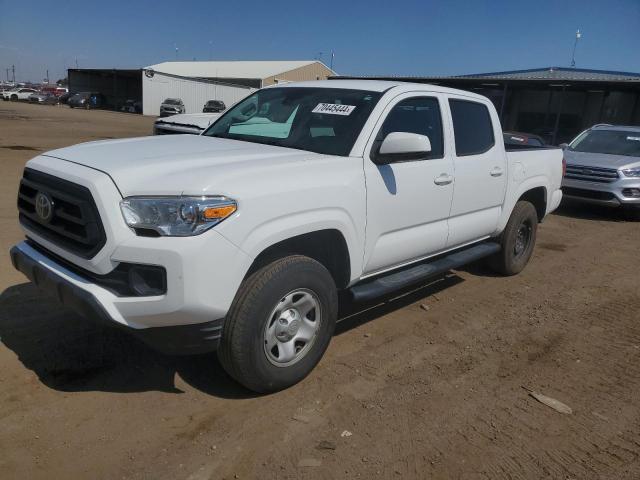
(429, 385)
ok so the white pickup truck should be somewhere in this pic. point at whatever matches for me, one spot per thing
(238, 240)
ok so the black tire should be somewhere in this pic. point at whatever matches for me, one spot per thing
(632, 213)
(517, 240)
(14, 98)
(242, 350)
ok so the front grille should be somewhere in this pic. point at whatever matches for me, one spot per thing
(591, 194)
(74, 223)
(592, 174)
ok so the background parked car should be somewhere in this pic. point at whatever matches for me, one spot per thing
(86, 100)
(64, 98)
(54, 90)
(214, 106)
(172, 106)
(603, 167)
(19, 94)
(131, 106)
(43, 98)
(193, 123)
(523, 139)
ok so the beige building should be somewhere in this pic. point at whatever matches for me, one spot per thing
(253, 74)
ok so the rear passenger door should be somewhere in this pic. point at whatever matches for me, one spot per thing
(480, 171)
(408, 202)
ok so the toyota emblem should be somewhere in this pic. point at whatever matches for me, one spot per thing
(44, 207)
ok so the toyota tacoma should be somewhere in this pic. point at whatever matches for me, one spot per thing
(239, 239)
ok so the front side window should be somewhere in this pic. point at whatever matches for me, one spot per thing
(611, 142)
(321, 120)
(472, 127)
(419, 115)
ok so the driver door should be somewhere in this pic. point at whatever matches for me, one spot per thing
(408, 202)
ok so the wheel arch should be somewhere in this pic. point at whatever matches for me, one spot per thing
(327, 246)
(538, 197)
(534, 190)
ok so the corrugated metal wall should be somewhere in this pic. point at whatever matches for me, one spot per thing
(194, 93)
(313, 71)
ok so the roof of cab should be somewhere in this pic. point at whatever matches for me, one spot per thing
(378, 86)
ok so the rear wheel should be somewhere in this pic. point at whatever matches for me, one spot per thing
(280, 324)
(14, 98)
(517, 240)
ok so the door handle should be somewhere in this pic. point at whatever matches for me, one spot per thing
(443, 179)
(496, 172)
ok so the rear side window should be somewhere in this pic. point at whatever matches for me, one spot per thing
(416, 115)
(472, 127)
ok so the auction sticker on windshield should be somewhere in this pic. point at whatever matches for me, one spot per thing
(333, 109)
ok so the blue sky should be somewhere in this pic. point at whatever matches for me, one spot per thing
(368, 37)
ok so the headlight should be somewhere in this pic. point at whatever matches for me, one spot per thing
(631, 172)
(176, 216)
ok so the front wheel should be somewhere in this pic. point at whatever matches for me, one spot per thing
(517, 240)
(280, 324)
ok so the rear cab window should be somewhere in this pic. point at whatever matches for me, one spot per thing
(472, 127)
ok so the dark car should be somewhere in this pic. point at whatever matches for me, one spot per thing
(214, 106)
(524, 140)
(64, 98)
(86, 100)
(131, 106)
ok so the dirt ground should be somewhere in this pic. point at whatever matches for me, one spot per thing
(428, 385)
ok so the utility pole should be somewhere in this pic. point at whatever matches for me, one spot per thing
(7, 69)
(47, 75)
(333, 54)
(13, 73)
(575, 44)
(76, 63)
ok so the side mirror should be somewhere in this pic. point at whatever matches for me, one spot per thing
(402, 146)
(563, 146)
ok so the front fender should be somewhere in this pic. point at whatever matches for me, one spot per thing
(283, 227)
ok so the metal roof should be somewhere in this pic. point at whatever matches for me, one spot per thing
(559, 73)
(234, 69)
(534, 74)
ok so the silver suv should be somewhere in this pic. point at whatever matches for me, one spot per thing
(171, 106)
(603, 167)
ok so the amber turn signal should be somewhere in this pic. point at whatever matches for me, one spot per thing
(214, 213)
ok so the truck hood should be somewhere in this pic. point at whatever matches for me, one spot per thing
(600, 160)
(180, 164)
(199, 120)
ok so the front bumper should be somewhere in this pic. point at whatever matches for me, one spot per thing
(86, 299)
(600, 193)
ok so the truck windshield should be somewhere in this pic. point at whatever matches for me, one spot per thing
(611, 142)
(321, 120)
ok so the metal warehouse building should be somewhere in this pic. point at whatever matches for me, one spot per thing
(193, 82)
(556, 103)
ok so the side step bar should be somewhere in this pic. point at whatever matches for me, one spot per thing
(397, 280)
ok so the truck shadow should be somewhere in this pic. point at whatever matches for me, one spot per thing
(585, 211)
(71, 354)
